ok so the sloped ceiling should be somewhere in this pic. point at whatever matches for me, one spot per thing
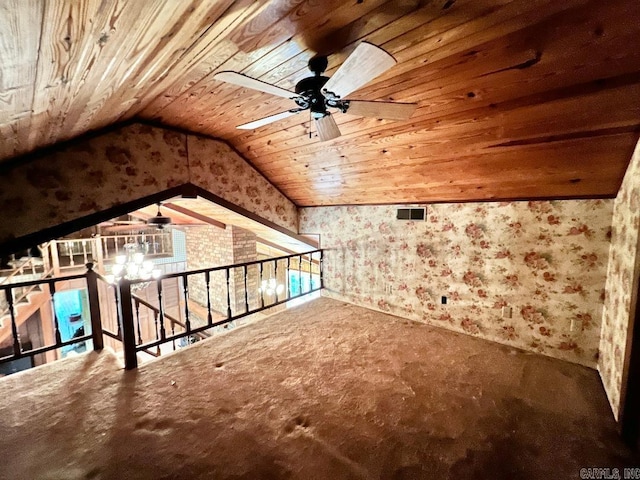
(517, 98)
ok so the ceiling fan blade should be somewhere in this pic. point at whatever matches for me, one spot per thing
(365, 63)
(248, 82)
(327, 128)
(267, 120)
(128, 222)
(386, 110)
(127, 228)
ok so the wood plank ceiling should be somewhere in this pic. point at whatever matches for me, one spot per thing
(517, 98)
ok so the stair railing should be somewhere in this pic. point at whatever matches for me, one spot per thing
(25, 267)
(7, 290)
(155, 311)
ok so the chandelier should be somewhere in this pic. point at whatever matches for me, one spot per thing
(270, 287)
(133, 266)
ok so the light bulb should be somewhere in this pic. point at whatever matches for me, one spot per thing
(156, 272)
(132, 269)
(116, 269)
(147, 265)
(138, 257)
(121, 259)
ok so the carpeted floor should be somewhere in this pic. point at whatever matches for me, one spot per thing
(323, 391)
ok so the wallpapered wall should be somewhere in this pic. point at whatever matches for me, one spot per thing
(622, 280)
(546, 260)
(127, 164)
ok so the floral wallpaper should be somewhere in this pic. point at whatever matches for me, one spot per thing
(90, 176)
(126, 164)
(214, 166)
(622, 280)
(545, 260)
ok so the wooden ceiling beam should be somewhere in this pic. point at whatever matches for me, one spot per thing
(196, 215)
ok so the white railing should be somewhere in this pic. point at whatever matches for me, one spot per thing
(72, 253)
(151, 243)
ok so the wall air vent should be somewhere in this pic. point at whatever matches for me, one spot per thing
(415, 214)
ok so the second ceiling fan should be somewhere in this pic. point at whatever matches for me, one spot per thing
(318, 93)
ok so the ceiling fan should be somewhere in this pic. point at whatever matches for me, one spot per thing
(159, 221)
(318, 93)
(118, 225)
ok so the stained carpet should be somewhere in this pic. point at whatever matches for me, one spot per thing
(324, 391)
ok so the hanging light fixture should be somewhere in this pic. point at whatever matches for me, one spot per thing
(159, 221)
(270, 286)
(133, 266)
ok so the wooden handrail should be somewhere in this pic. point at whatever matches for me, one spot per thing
(228, 267)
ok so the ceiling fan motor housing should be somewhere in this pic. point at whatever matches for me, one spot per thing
(159, 221)
(310, 91)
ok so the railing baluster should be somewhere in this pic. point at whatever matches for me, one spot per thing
(185, 287)
(286, 279)
(228, 294)
(173, 332)
(137, 304)
(163, 333)
(17, 348)
(275, 277)
(299, 274)
(70, 252)
(246, 292)
(94, 308)
(321, 268)
(261, 289)
(155, 327)
(52, 290)
(207, 281)
(128, 327)
(118, 329)
(84, 251)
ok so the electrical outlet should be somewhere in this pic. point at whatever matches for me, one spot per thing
(506, 312)
(443, 300)
(388, 288)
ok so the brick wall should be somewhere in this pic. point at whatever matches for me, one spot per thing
(209, 246)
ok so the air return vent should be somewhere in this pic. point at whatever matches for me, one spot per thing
(415, 214)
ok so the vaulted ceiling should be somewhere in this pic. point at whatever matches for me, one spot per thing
(516, 98)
